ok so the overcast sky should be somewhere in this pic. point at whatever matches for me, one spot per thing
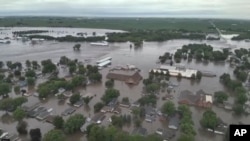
(129, 8)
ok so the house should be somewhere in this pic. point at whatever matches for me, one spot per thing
(68, 111)
(150, 113)
(23, 83)
(128, 76)
(9, 137)
(135, 104)
(29, 106)
(200, 99)
(140, 131)
(85, 125)
(124, 104)
(117, 110)
(174, 121)
(68, 94)
(34, 113)
(106, 109)
(98, 118)
(168, 134)
(43, 115)
(79, 103)
(50, 119)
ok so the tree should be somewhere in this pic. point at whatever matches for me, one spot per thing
(54, 135)
(209, 119)
(109, 83)
(87, 100)
(198, 75)
(98, 106)
(77, 47)
(74, 98)
(1, 64)
(35, 134)
(9, 64)
(220, 97)
(35, 65)
(186, 137)
(109, 95)
(179, 76)
(81, 69)
(168, 108)
(74, 123)
(16, 102)
(187, 128)
(241, 98)
(19, 114)
(238, 109)
(30, 73)
(48, 66)
(22, 128)
(17, 89)
(78, 80)
(5, 88)
(28, 63)
(31, 81)
(95, 77)
(117, 121)
(6, 104)
(125, 100)
(58, 122)
(153, 88)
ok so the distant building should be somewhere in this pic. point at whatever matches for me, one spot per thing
(128, 76)
(98, 118)
(176, 70)
(200, 99)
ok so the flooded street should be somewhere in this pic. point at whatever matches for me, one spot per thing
(144, 58)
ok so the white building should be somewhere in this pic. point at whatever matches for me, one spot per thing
(176, 70)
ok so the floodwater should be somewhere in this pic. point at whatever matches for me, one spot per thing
(144, 58)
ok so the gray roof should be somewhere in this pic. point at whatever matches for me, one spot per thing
(98, 116)
(168, 134)
(188, 95)
(174, 120)
(140, 131)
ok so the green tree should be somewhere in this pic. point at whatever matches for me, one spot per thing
(16, 102)
(168, 108)
(74, 98)
(78, 80)
(153, 88)
(87, 100)
(19, 114)
(54, 135)
(6, 104)
(17, 89)
(186, 137)
(199, 75)
(98, 106)
(77, 47)
(81, 69)
(22, 127)
(117, 121)
(238, 109)
(30, 73)
(58, 122)
(220, 97)
(5, 88)
(28, 63)
(209, 119)
(187, 128)
(109, 83)
(74, 123)
(1, 64)
(31, 81)
(95, 77)
(109, 95)
(241, 98)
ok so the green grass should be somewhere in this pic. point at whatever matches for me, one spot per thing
(200, 25)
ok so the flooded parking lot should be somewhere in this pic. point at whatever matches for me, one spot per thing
(144, 58)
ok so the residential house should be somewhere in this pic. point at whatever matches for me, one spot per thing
(79, 103)
(174, 121)
(200, 99)
(168, 134)
(29, 106)
(128, 76)
(43, 115)
(150, 113)
(85, 125)
(68, 111)
(124, 104)
(98, 118)
(140, 131)
(135, 104)
(111, 106)
(228, 105)
(50, 119)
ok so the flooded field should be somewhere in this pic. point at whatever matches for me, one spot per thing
(144, 58)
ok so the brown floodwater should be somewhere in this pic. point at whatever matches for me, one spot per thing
(144, 58)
